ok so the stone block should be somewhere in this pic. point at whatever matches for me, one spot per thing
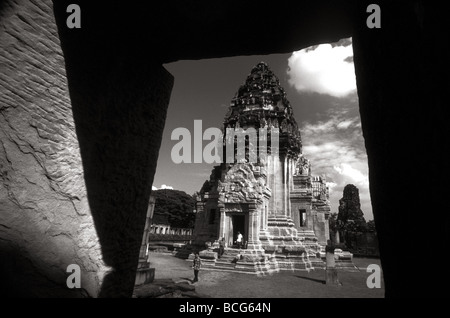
(184, 286)
(332, 277)
(144, 276)
(151, 290)
(293, 249)
(191, 294)
(158, 249)
(294, 257)
(346, 256)
(250, 258)
(208, 254)
(270, 248)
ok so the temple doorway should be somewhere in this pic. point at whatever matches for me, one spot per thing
(237, 223)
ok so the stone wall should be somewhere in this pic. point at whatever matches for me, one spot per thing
(45, 220)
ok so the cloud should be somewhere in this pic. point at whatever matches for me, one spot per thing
(335, 147)
(351, 173)
(325, 69)
(162, 187)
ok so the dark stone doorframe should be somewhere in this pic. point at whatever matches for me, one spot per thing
(401, 87)
(243, 228)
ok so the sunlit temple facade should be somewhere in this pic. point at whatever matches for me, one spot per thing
(279, 207)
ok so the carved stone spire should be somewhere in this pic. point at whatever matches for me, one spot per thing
(261, 102)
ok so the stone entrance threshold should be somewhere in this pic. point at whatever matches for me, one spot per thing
(261, 263)
(256, 262)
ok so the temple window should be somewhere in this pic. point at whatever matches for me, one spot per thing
(302, 217)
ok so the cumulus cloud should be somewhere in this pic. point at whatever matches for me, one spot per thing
(325, 69)
(336, 149)
(163, 186)
(352, 174)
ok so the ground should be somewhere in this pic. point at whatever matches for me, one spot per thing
(285, 284)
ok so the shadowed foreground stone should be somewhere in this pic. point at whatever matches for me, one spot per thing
(166, 288)
(48, 218)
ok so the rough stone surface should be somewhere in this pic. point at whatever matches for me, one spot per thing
(166, 288)
(45, 220)
(73, 198)
(294, 249)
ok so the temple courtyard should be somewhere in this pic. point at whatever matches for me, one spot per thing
(173, 278)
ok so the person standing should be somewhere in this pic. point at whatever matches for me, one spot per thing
(196, 265)
(239, 239)
(221, 247)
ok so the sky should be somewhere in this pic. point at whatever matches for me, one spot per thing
(320, 84)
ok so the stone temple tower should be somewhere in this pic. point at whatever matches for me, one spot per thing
(266, 192)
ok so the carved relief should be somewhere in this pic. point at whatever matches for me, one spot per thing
(302, 167)
(240, 185)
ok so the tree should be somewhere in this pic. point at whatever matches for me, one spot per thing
(174, 207)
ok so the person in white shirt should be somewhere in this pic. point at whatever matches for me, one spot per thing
(239, 239)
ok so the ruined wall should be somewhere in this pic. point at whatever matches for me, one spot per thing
(45, 220)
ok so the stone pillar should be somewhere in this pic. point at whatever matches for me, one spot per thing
(262, 218)
(144, 273)
(271, 184)
(200, 219)
(222, 224)
(253, 229)
(147, 228)
(285, 187)
(331, 271)
(289, 176)
(276, 199)
(119, 100)
(337, 237)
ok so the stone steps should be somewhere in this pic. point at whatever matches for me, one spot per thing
(230, 270)
(225, 264)
(227, 260)
(260, 263)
